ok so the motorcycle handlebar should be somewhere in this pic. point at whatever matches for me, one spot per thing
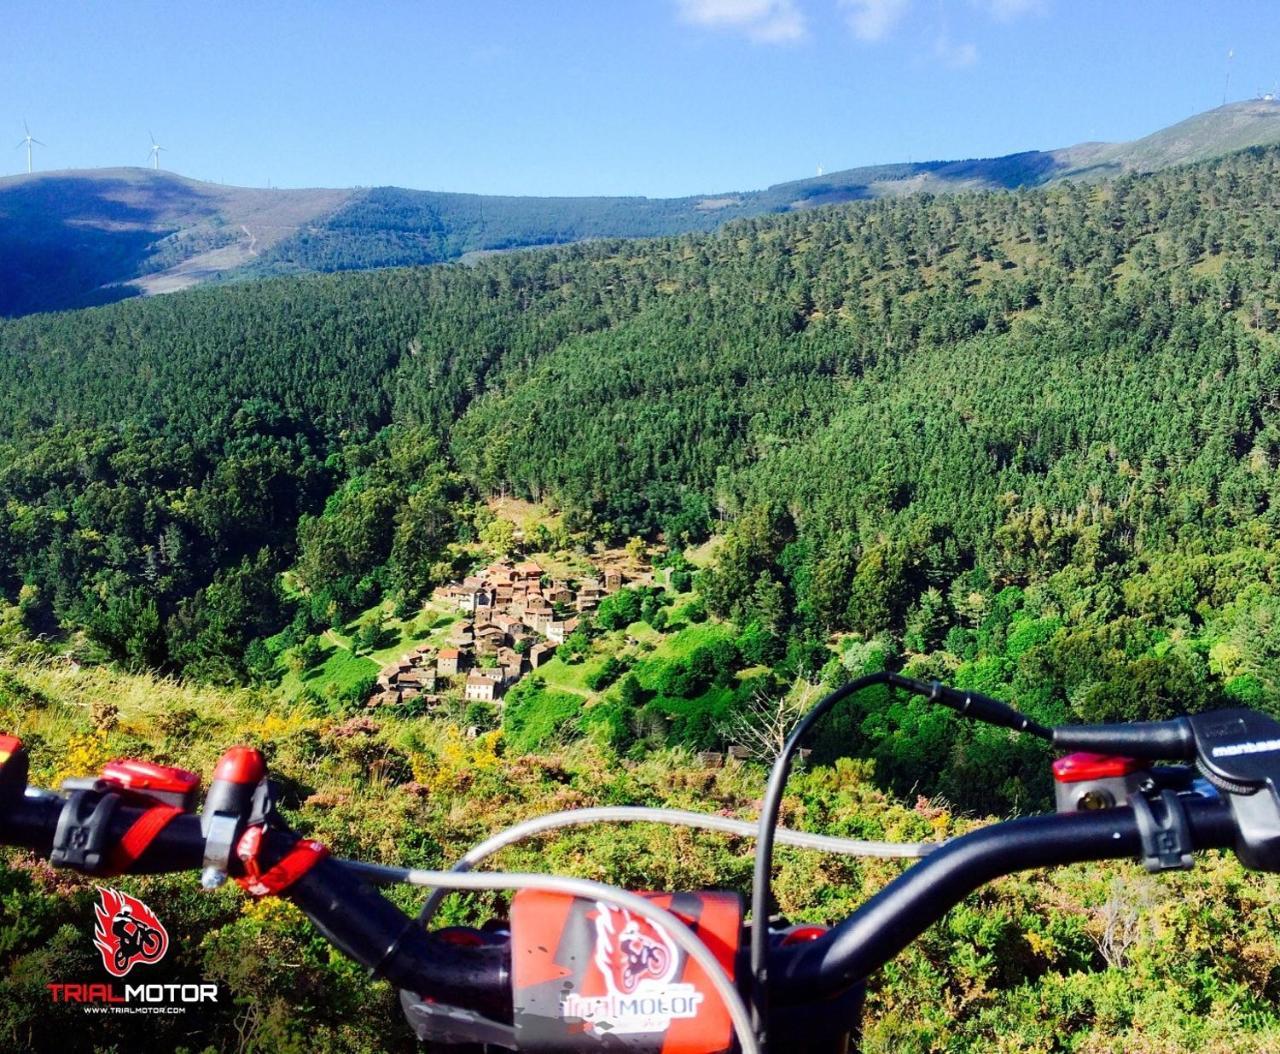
(358, 920)
(899, 913)
(352, 915)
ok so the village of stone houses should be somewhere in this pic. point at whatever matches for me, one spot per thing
(546, 644)
(515, 616)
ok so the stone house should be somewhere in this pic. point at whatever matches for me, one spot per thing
(449, 662)
(537, 604)
(499, 573)
(540, 653)
(480, 688)
(489, 638)
(527, 572)
(511, 660)
(559, 594)
(391, 673)
(507, 623)
(421, 679)
(473, 600)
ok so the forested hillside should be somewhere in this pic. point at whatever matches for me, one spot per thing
(1026, 440)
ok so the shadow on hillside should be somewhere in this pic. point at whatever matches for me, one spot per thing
(75, 241)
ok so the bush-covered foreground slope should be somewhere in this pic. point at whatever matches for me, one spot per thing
(1089, 959)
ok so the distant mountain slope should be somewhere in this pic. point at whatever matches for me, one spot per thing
(79, 238)
(73, 239)
(1236, 126)
(390, 226)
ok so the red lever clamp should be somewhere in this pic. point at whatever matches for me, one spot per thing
(142, 782)
(81, 840)
(297, 862)
(163, 783)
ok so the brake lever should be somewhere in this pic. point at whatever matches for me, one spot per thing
(238, 796)
(1149, 740)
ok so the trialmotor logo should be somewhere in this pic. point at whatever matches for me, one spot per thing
(127, 932)
(639, 963)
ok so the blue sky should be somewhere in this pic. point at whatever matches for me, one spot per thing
(657, 97)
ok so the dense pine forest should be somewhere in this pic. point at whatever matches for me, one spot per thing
(905, 418)
(1024, 441)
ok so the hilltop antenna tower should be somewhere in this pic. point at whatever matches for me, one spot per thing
(1231, 53)
(28, 141)
(154, 156)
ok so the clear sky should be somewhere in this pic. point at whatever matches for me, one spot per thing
(657, 97)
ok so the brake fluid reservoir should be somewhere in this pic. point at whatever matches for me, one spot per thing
(1084, 782)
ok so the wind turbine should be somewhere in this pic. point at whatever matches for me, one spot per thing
(28, 140)
(155, 152)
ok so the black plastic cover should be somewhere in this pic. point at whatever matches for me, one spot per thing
(1240, 749)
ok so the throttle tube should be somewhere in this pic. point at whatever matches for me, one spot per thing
(31, 822)
(364, 925)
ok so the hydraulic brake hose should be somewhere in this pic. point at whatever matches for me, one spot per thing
(969, 704)
(672, 817)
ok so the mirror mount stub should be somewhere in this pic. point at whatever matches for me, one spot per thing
(1165, 833)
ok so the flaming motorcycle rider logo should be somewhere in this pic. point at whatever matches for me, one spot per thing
(637, 952)
(127, 932)
(638, 963)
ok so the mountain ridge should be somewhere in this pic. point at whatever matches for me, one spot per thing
(85, 237)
